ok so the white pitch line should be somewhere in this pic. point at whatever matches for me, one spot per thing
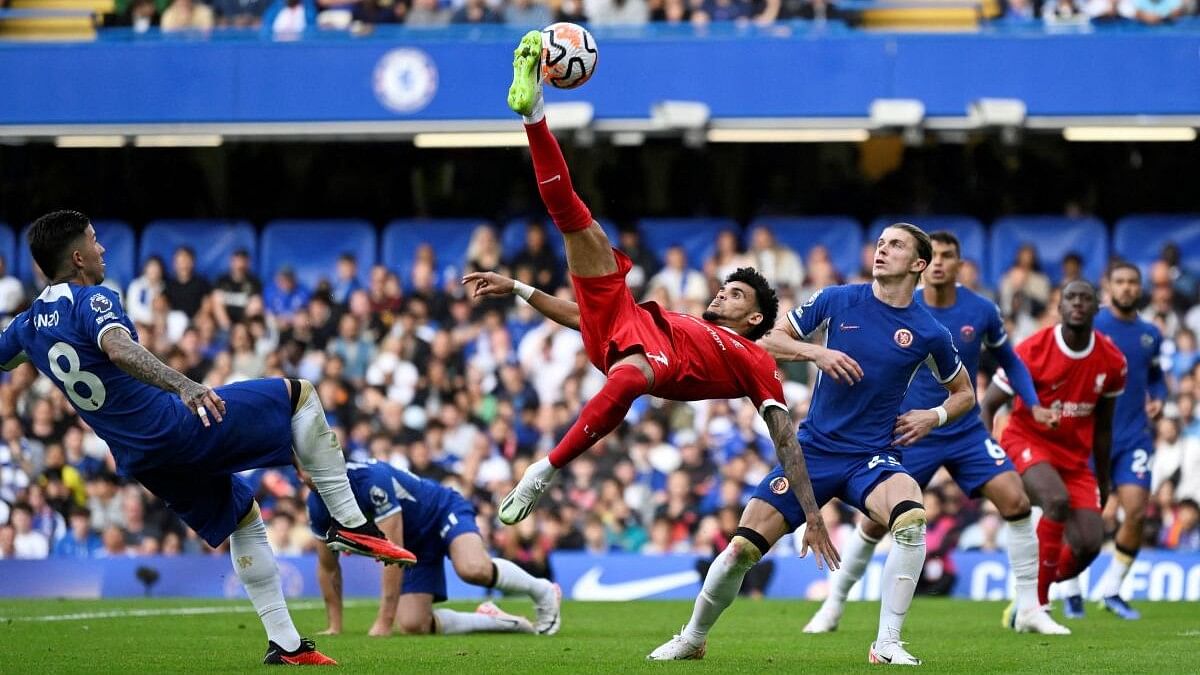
(165, 611)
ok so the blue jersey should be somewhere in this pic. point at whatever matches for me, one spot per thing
(383, 491)
(1140, 342)
(61, 333)
(975, 323)
(890, 344)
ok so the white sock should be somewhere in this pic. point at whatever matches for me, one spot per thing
(511, 580)
(1110, 583)
(900, 574)
(539, 110)
(856, 555)
(321, 456)
(450, 622)
(1023, 559)
(721, 586)
(254, 563)
(1069, 587)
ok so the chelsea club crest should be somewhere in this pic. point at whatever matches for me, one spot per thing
(405, 80)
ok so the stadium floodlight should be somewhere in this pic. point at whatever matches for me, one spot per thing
(1130, 134)
(897, 112)
(680, 114)
(476, 139)
(569, 115)
(178, 141)
(838, 135)
(89, 141)
(997, 112)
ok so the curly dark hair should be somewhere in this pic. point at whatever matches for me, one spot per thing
(764, 295)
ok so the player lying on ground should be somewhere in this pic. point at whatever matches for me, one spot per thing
(182, 440)
(1079, 373)
(435, 522)
(1133, 438)
(644, 348)
(975, 461)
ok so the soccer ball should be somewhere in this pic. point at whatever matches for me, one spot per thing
(570, 55)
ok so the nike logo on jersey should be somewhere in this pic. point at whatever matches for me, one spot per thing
(591, 434)
(551, 179)
(1056, 385)
(589, 586)
(660, 357)
(401, 492)
(848, 327)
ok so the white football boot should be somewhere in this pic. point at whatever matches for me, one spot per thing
(678, 649)
(891, 654)
(1038, 620)
(826, 619)
(549, 611)
(520, 502)
(516, 624)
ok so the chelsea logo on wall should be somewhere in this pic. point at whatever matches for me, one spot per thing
(405, 80)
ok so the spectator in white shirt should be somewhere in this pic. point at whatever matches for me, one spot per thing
(139, 300)
(681, 283)
(28, 543)
(777, 262)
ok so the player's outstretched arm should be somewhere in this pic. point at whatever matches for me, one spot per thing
(787, 448)
(561, 312)
(994, 399)
(913, 425)
(390, 581)
(329, 578)
(782, 343)
(1102, 444)
(15, 361)
(136, 360)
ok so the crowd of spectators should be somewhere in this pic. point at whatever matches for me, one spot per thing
(295, 16)
(413, 372)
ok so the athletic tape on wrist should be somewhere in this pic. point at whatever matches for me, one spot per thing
(522, 290)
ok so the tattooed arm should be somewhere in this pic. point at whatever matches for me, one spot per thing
(138, 362)
(787, 448)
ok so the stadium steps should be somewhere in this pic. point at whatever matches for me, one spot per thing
(928, 15)
(59, 20)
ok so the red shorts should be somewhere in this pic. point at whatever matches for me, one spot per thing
(1083, 492)
(614, 325)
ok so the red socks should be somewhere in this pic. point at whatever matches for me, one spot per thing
(1050, 550)
(600, 415)
(1068, 566)
(569, 212)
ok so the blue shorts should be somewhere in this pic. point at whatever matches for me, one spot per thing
(849, 477)
(429, 574)
(1131, 463)
(198, 482)
(972, 461)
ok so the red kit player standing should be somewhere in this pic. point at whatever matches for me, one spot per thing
(1079, 373)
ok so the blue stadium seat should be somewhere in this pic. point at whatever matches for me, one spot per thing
(1140, 239)
(697, 236)
(8, 247)
(513, 238)
(970, 232)
(213, 241)
(120, 246)
(449, 237)
(841, 235)
(312, 247)
(1053, 237)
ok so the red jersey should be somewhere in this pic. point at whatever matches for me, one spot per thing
(692, 359)
(715, 363)
(1070, 381)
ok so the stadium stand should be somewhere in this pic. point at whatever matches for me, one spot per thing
(467, 394)
(213, 241)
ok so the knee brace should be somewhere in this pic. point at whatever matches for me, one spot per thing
(908, 523)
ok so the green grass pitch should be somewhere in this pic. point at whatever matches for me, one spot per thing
(161, 635)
